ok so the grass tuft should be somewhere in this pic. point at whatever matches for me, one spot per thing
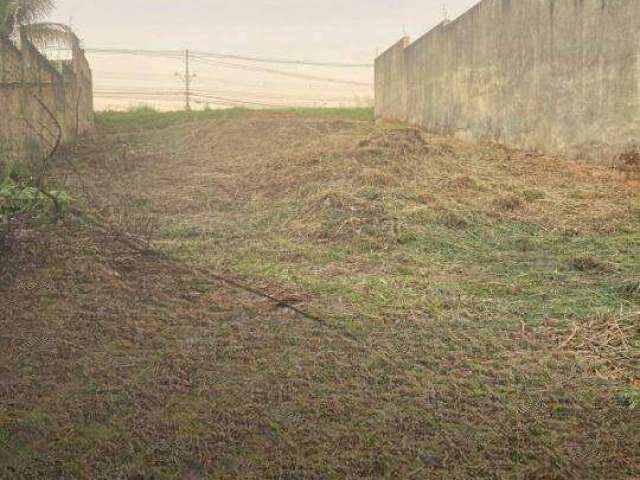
(587, 264)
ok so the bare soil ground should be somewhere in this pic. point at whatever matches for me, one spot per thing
(474, 310)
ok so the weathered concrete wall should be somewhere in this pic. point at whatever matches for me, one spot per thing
(391, 82)
(32, 89)
(557, 75)
(78, 76)
(11, 98)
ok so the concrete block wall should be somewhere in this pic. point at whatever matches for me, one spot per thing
(555, 75)
(27, 82)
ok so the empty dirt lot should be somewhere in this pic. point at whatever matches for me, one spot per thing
(470, 311)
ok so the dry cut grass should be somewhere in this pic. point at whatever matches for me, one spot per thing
(475, 309)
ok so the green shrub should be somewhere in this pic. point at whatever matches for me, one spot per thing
(20, 200)
(17, 171)
(630, 398)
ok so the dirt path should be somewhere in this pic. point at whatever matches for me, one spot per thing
(478, 310)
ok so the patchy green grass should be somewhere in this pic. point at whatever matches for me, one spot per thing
(14, 170)
(631, 398)
(364, 114)
(23, 202)
(148, 118)
(180, 232)
(477, 311)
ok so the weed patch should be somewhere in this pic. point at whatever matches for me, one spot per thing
(587, 264)
(5, 437)
(177, 232)
(508, 203)
(631, 290)
(452, 220)
(630, 398)
(21, 202)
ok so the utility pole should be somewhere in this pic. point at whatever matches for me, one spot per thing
(187, 81)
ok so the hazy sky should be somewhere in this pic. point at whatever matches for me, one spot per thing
(334, 30)
(344, 31)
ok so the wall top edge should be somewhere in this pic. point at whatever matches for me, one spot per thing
(404, 42)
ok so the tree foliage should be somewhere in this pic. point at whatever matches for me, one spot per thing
(18, 13)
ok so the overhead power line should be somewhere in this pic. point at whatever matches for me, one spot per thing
(221, 61)
(282, 61)
(200, 99)
(239, 101)
(176, 95)
(145, 53)
(252, 68)
(244, 94)
(179, 53)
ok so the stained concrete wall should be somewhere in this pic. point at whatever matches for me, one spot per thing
(557, 75)
(32, 89)
(391, 82)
